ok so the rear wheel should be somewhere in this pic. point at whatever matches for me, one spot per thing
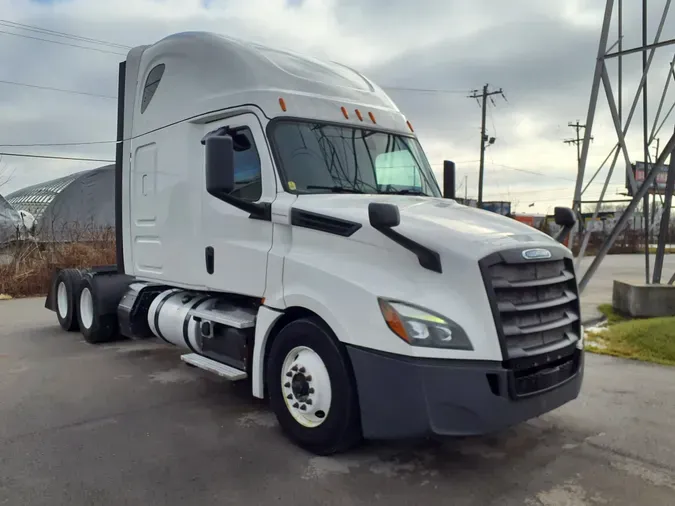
(311, 388)
(95, 328)
(66, 284)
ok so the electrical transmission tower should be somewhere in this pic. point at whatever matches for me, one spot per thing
(610, 51)
(485, 141)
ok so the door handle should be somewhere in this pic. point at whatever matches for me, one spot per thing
(209, 259)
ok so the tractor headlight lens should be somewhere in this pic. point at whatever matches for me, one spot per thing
(419, 327)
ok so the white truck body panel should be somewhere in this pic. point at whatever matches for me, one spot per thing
(338, 278)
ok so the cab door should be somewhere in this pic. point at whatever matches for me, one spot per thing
(235, 245)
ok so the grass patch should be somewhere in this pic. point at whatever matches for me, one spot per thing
(649, 340)
(668, 251)
(612, 316)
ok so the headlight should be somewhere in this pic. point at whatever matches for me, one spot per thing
(419, 327)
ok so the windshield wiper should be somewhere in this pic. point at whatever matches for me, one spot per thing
(335, 189)
(406, 192)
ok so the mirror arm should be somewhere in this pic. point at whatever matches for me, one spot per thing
(377, 215)
(214, 133)
(257, 210)
(562, 235)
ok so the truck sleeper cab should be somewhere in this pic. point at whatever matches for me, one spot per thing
(277, 218)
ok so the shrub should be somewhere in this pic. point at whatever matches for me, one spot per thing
(33, 262)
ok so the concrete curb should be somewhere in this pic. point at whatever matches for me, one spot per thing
(589, 322)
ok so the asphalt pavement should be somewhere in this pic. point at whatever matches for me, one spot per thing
(129, 423)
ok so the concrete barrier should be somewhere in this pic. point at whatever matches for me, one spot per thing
(643, 301)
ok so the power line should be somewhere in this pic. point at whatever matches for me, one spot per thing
(74, 158)
(422, 90)
(61, 90)
(77, 92)
(535, 189)
(53, 157)
(55, 33)
(54, 144)
(528, 171)
(548, 175)
(61, 43)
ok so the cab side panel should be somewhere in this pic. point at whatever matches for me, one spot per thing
(123, 201)
(163, 185)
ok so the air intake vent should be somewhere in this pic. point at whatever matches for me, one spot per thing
(337, 226)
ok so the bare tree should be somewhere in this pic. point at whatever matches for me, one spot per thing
(6, 175)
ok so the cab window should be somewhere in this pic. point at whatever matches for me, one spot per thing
(247, 178)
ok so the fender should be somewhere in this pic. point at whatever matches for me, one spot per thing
(265, 322)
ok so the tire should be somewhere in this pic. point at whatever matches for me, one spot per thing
(65, 300)
(95, 328)
(322, 363)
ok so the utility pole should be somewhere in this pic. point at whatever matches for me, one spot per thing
(578, 141)
(484, 139)
(578, 127)
(466, 188)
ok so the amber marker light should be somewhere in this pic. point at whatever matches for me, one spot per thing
(393, 320)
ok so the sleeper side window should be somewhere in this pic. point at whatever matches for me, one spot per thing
(151, 84)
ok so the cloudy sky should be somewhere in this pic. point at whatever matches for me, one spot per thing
(541, 53)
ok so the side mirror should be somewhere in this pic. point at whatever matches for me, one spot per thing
(383, 215)
(219, 164)
(448, 179)
(564, 217)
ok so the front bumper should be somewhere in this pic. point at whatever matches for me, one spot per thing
(404, 397)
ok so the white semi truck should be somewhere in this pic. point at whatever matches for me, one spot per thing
(277, 218)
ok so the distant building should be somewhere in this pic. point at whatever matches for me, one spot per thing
(10, 221)
(84, 199)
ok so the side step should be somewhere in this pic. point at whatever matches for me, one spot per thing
(222, 370)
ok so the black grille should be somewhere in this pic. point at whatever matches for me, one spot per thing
(535, 303)
(538, 380)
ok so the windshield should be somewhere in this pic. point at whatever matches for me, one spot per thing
(320, 158)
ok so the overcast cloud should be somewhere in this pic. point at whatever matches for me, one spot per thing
(541, 53)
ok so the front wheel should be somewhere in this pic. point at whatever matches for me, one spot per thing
(312, 390)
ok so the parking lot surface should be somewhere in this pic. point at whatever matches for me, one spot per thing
(129, 423)
(629, 268)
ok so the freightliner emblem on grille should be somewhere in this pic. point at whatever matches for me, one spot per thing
(536, 254)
